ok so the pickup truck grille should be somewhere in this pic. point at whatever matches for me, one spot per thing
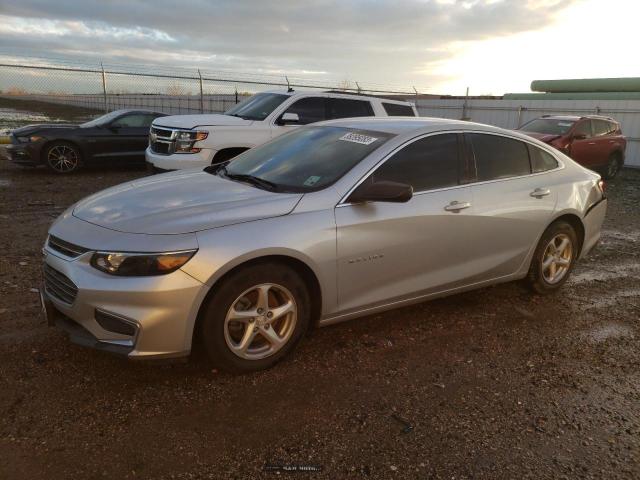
(162, 140)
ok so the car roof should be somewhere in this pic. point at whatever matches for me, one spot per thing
(409, 125)
(577, 117)
(338, 94)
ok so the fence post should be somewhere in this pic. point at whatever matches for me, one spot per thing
(201, 95)
(104, 89)
(236, 94)
(359, 89)
(520, 108)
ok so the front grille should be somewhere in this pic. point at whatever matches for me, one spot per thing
(162, 140)
(59, 286)
(66, 248)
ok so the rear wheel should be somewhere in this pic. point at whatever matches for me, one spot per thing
(613, 166)
(255, 318)
(554, 258)
(62, 157)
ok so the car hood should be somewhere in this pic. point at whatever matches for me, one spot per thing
(31, 129)
(181, 202)
(193, 121)
(543, 137)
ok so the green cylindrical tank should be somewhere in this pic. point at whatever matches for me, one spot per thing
(574, 96)
(631, 84)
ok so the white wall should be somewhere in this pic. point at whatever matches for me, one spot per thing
(512, 113)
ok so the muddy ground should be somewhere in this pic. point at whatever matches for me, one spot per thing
(496, 383)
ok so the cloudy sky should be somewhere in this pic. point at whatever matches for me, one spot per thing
(440, 46)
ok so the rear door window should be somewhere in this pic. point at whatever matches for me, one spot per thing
(398, 110)
(309, 109)
(499, 157)
(426, 164)
(347, 108)
(601, 128)
(541, 161)
(583, 128)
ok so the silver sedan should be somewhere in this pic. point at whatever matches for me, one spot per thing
(332, 221)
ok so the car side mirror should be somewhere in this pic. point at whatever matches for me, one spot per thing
(289, 118)
(383, 191)
(579, 136)
(113, 128)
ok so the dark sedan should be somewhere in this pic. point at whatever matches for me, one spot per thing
(117, 138)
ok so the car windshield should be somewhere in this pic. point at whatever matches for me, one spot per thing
(305, 160)
(101, 120)
(548, 126)
(257, 107)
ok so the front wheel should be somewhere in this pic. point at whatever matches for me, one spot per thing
(255, 318)
(613, 167)
(62, 157)
(554, 258)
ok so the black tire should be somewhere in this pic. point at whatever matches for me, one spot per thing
(62, 157)
(537, 278)
(213, 328)
(614, 164)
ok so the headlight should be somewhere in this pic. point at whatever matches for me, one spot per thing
(140, 264)
(186, 140)
(32, 138)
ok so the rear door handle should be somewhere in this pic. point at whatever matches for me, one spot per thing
(456, 206)
(540, 192)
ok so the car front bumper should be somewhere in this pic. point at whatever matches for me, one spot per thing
(158, 162)
(24, 153)
(160, 310)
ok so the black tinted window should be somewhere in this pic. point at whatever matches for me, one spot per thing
(310, 109)
(345, 108)
(134, 120)
(425, 164)
(396, 110)
(499, 157)
(541, 161)
(583, 128)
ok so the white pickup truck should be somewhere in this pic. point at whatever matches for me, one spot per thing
(185, 141)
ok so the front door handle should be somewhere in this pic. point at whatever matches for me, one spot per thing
(540, 192)
(456, 206)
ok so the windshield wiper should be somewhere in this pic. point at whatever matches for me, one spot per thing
(252, 180)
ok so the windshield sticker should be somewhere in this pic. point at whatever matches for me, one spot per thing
(311, 181)
(358, 138)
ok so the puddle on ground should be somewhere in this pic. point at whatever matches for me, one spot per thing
(608, 331)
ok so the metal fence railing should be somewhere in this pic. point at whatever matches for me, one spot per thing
(172, 91)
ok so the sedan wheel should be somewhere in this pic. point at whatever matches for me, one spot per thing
(260, 321)
(63, 158)
(557, 258)
(553, 258)
(254, 317)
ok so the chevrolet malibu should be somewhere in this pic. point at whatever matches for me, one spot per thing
(332, 221)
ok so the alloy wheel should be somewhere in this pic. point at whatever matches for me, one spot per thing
(557, 258)
(260, 321)
(612, 168)
(62, 158)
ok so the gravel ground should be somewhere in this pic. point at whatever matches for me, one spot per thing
(495, 383)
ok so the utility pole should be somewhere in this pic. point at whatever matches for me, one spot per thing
(104, 89)
(201, 94)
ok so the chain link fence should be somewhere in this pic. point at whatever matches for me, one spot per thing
(112, 87)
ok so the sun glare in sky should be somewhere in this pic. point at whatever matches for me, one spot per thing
(594, 38)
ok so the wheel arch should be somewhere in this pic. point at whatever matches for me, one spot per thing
(307, 274)
(576, 222)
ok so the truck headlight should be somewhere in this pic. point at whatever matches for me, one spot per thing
(129, 264)
(185, 141)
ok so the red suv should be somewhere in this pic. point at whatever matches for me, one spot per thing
(593, 141)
